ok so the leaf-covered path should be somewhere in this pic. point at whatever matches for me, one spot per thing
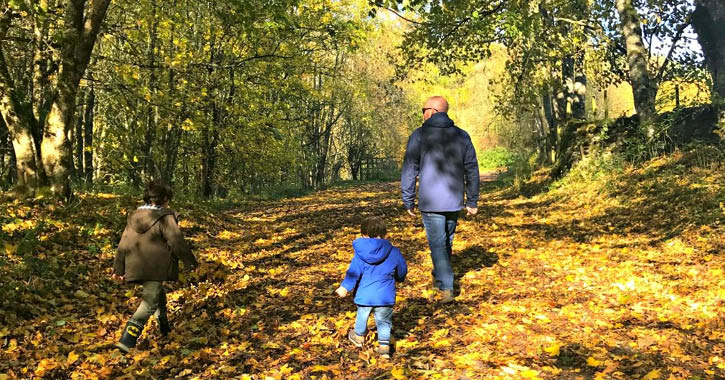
(568, 287)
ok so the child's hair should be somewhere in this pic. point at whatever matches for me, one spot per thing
(373, 227)
(157, 192)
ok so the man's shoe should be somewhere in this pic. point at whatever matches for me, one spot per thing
(384, 350)
(130, 336)
(356, 340)
(447, 296)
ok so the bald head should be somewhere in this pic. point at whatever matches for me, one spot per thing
(434, 104)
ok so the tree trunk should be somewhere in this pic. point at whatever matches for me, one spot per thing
(88, 136)
(579, 97)
(55, 148)
(643, 87)
(208, 162)
(10, 173)
(4, 147)
(545, 129)
(551, 135)
(5, 152)
(151, 110)
(19, 128)
(81, 31)
(173, 139)
(26, 166)
(322, 157)
(709, 23)
(210, 138)
(19, 120)
(78, 145)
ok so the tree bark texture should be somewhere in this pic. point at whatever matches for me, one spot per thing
(81, 31)
(78, 145)
(88, 135)
(709, 23)
(643, 87)
(210, 140)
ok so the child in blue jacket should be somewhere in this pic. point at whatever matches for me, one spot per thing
(372, 273)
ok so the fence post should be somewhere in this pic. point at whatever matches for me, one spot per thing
(677, 95)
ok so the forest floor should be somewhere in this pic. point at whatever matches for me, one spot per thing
(621, 278)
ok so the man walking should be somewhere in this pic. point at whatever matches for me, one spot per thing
(443, 159)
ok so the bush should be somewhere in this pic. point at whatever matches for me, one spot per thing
(498, 157)
(591, 168)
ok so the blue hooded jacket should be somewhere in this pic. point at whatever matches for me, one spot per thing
(373, 271)
(442, 156)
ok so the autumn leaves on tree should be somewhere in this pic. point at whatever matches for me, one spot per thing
(233, 98)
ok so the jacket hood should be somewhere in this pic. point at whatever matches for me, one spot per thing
(439, 120)
(142, 219)
(371, 250)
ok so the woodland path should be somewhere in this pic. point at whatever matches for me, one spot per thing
(547, 290)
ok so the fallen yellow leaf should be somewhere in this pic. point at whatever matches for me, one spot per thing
(442, 343)
(72, 357)
(398, 373)
(593, 362)
(319, 368)
(553, 350)
(652, 375)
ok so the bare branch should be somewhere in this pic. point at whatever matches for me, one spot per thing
(584, 23)
(393, 11)
(675, 40)
(95, 17)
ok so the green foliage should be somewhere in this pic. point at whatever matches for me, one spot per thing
(386, 174)
(592, 169)
(234, 98)
(639, 147)
(498, 157)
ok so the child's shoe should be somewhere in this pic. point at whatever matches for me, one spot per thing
(447, 296)
(356, 340)
(164, 325)
(130, 336)
(384, 350)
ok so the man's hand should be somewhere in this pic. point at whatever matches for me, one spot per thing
(411, 211)
(117, 278)
(342, 292)
(471, 210)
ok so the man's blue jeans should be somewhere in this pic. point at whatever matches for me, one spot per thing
(440, 227)
(383, 320)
